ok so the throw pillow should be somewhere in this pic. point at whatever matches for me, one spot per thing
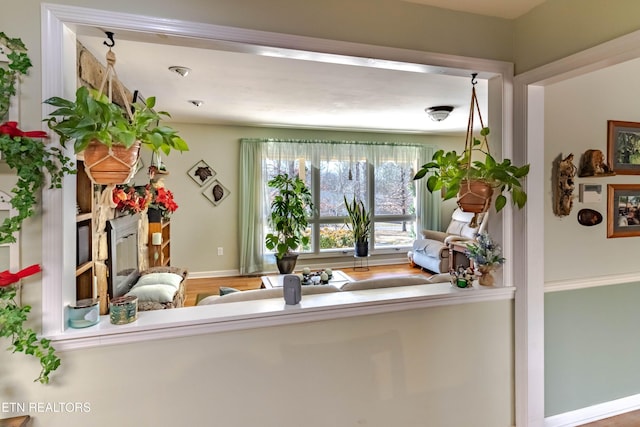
(155, 293)
(171, 279)
(224, 290)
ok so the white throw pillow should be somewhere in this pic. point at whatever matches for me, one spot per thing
(154, 293)
(159, 279)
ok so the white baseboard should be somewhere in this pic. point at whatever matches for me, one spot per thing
(208, 274)
(594, 413)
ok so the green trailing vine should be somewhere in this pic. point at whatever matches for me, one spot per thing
(29, 157)
(19, 64)
(12, 318)
(32, 161)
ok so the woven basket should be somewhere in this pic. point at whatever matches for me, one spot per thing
(110, 167)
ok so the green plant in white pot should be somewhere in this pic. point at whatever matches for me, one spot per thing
(290, 209)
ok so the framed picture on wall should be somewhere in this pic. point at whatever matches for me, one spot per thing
(201, 173)
(623, 210)
(216, 192)
(623, 147)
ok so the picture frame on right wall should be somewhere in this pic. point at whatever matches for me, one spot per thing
(623, 147)
(623, 210)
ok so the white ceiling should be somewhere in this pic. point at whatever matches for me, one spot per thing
(241, 87)
(509, 9)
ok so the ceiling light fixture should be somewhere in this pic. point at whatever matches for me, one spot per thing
(438, 114)
(196, 102)
(183, 71)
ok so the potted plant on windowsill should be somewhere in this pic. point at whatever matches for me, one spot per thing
(360, 223)
(290, 210)
(475, 181)
(108, 136)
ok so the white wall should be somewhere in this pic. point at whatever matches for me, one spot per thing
(587, 331)
(411, 368)
(576, 114)
(559, 28)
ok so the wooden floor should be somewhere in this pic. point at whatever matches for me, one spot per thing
(243, 283)
(630, 419)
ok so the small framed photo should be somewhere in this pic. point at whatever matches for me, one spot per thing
(215, 192)
(623, 147)
(623, 210)
(201, 173)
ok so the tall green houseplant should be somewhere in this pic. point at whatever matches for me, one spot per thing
(290, 209)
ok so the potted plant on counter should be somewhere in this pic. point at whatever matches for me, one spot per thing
(487, 257)
(290, 209)
(360, 223)
(108, 136)
(475, 181)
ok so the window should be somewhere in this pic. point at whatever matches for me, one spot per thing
(379, 174)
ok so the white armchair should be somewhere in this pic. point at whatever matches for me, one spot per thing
(434, 249)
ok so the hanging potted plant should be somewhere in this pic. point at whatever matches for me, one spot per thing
(360, 223)
(290, 209)
(108, 137)
(32, 160)
(474, 181)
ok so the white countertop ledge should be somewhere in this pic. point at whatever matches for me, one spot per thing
(181, 322)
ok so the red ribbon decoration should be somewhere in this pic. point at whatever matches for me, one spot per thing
(7, 278)
(11, 129)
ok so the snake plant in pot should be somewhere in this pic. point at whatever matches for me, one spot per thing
(474, 175)
(290, 209)
(360, 223)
